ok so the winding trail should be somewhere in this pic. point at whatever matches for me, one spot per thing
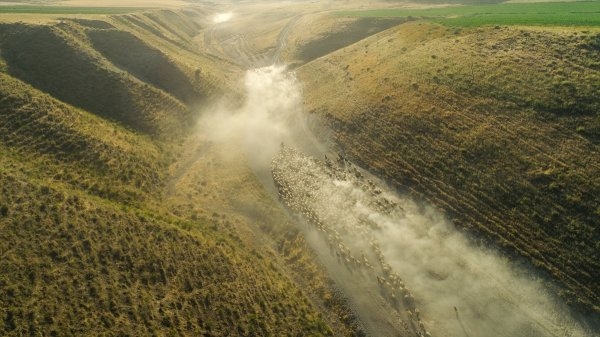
(225, 41)
(404, 271)
(430, 276)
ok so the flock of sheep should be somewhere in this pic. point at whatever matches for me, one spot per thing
(337, 199)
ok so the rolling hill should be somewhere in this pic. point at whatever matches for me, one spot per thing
(497, 126)
(94, 115)
(120, 216)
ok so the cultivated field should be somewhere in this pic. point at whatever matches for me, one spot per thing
(65, 10)
(584, 13)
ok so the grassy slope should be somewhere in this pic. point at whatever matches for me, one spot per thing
(76, 265)
(77, 148)
(88, 244)
(497, 127)
(217, 187)
(146, 63)
(345, 34)
(173, 33)
(55, 60)
(317, 34)
(139, 75)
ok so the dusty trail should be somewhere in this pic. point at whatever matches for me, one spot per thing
(224, 39)
(270, 116)
(282, 39)
(404, 270)
(364, 295)
(434, 281)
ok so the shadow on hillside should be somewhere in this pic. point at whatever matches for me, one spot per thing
(52, 60)
(131, 54)
(354, 32)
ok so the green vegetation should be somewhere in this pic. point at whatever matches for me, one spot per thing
(580, 13)
(68, 10)
(499, 128)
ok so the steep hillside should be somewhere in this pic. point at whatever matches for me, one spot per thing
(311, 35)
(174, 35)
(499, 127)
(73, 147)
(53, 60)
(75, 265)
(146, 76)
(97, 233)
(84, 236)
(146, 63)
(330, 34)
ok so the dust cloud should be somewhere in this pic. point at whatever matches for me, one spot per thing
(429, 277)
(430, 274)
(423, 265)
(222, 17)
(271, 114)
(463, 289)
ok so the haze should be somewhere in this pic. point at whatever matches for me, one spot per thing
(326, 168)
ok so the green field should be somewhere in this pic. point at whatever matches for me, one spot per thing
(544, 13)
(67, 10)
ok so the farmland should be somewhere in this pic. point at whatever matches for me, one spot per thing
(67, 10)
(533, 14)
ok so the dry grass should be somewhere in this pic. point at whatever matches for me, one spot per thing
(498, 127)
(103, 159)
(57, 60)
(213, 181)
(81, 266)
(99, 235)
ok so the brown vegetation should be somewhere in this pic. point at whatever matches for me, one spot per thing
(496, 126)
(93, 242)
(75, 265)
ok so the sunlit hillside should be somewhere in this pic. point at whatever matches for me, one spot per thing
(299, 168)
(94, 117)
(497, 126)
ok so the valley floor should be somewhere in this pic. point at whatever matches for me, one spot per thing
(148, 180)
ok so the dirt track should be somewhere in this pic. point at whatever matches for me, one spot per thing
(372, 291)
(377, 313)
(227, 41)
